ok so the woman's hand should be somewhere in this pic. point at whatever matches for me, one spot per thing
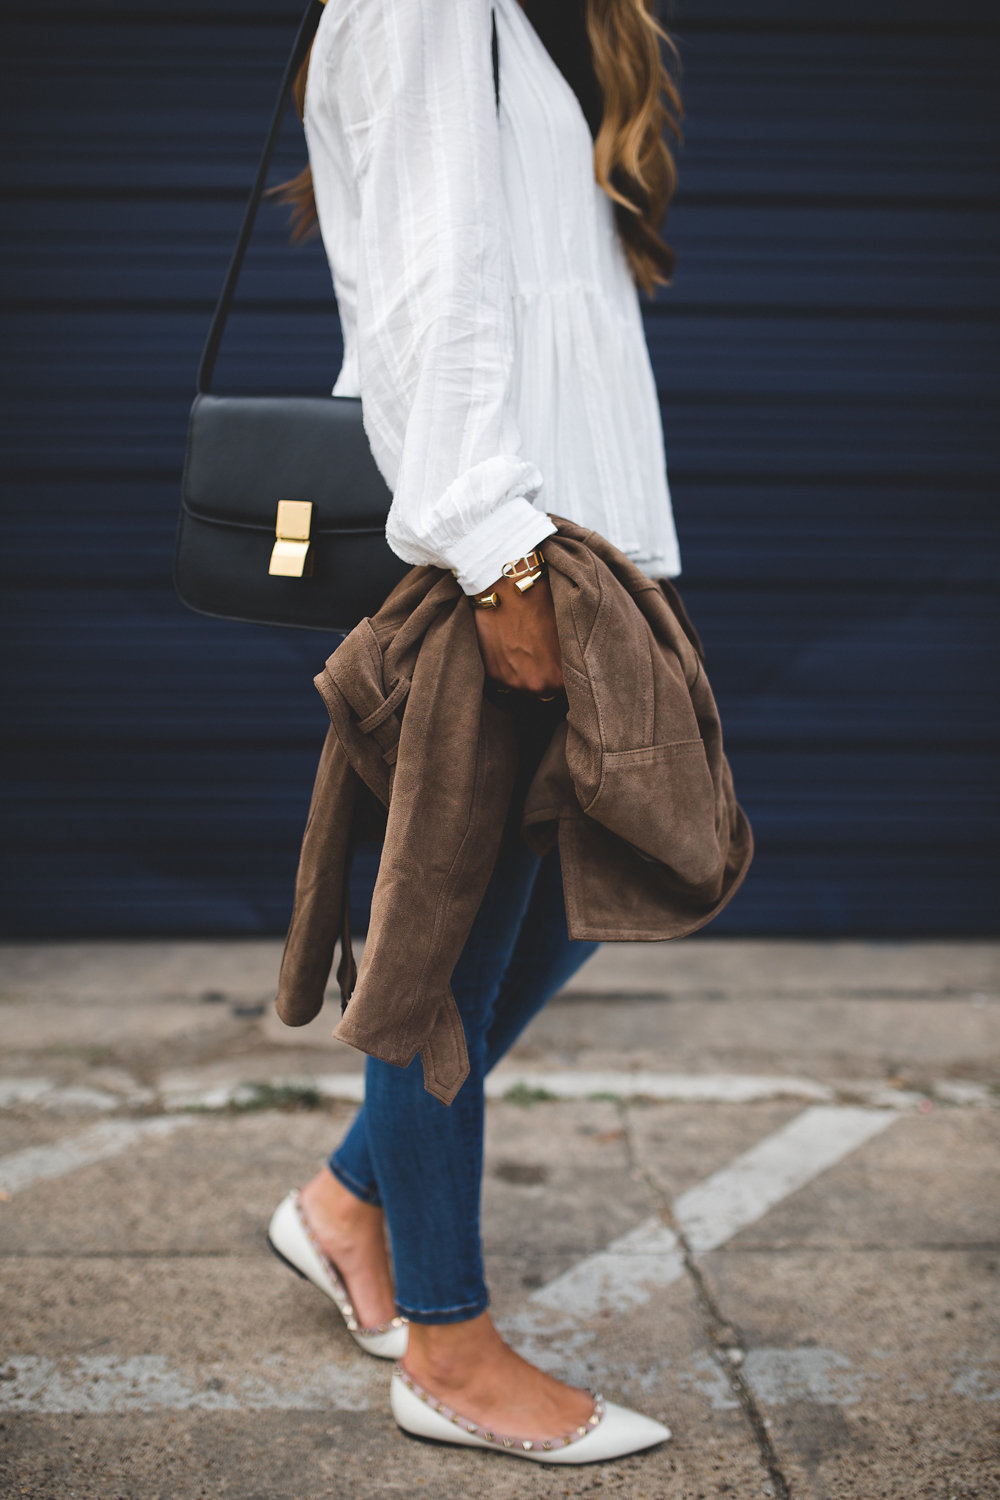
(518, 641)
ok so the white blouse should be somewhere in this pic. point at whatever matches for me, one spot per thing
(491, 325)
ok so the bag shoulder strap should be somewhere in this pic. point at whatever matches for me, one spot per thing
(300, 48)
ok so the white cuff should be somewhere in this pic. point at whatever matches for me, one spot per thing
(510, 531)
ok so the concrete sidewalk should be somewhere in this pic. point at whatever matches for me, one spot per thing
(747, 1187)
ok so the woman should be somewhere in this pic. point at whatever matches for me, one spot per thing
(485, 250)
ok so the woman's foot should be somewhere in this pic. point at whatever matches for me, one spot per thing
(470, 1368)
(352, 1234)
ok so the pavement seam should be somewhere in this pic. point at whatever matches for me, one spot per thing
(719, 1332)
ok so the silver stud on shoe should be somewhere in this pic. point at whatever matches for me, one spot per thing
(524, 1445)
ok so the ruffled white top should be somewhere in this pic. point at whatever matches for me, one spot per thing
(491, 325)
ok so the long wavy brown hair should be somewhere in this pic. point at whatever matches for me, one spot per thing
(636, 64)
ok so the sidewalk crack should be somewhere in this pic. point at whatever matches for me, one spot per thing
(721, 1333)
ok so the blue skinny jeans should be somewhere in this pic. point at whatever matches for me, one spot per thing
(423, 1160)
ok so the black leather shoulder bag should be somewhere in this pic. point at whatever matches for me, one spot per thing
(283, 508)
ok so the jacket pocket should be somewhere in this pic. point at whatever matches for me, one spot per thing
(661, 800)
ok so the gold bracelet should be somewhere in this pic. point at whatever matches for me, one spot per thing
(524, 573)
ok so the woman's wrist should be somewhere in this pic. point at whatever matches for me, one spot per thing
(522, 572)
(520, 645)
(476, 558)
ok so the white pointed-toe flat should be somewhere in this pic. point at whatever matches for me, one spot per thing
(611, 1432)
(292, 1240)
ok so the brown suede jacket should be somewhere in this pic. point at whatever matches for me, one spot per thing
(634, 784)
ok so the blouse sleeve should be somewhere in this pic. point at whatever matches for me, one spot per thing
(412, 83)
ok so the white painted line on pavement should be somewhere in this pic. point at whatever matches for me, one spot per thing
(639, 1263)
(962, 1091)
(15, 1091)
(623, 1275)
(695, 1088)
(739, 1194)
(99, 1383)
(347, 1086)
(36, 1163)
(183, 1092)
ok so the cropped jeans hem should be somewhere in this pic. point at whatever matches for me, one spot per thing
(444, 1314)
(367, 1194)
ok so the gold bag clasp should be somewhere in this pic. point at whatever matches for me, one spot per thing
(291, 555)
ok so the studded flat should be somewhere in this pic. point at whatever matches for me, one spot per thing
(291, 1238)
(610, 1432)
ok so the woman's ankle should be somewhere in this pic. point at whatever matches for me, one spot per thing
(443, 1354)
(325, 1197)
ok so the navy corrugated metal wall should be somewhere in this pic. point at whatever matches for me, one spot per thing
(824, 363)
